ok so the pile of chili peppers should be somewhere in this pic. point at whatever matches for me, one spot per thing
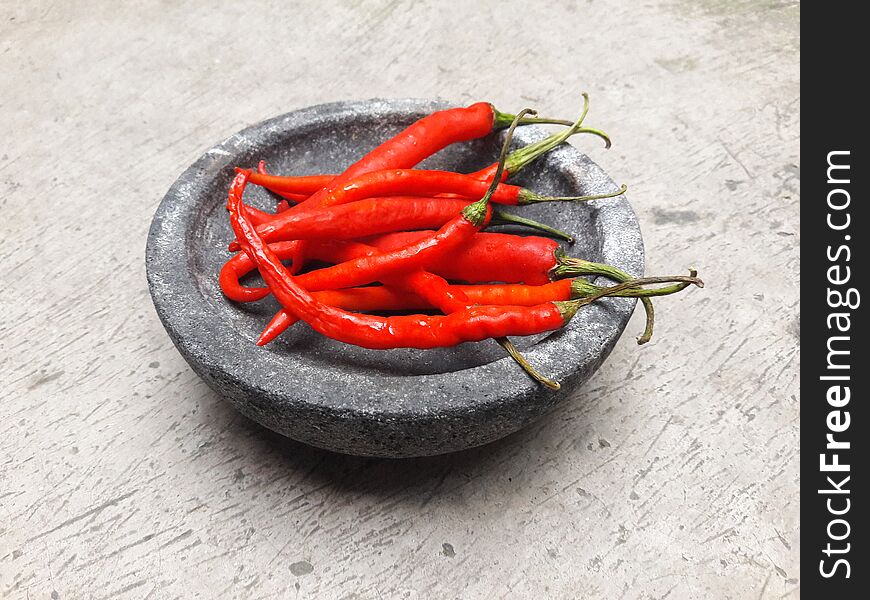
(398, 239)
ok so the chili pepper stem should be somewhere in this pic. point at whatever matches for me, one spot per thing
(570, 266)
(502, 120)
(568, 308)
(615, 290)
(503, 218)
(581, 288)
(526, 365)
(476, 212)
(524, 156)
(567, 266)
(529, 197)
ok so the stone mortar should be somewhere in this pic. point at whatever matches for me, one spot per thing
(396, 403)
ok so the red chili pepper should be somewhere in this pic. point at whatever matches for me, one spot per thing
(531, 260)
(517, 160)
(430, 287)
(387, 298)
(424, 138)
(402, 266)
(418, 141)
(433, 289)
(411, 257)
(421, 139)
(298, 185)
(295, 197)
(485, 257)
(413, 182)
(332, 252)
(415, 331)
(377, 215)
(488, 257)
(368, 267)
(360, 219)
(259, 217)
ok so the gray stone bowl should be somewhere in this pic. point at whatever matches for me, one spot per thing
(396, 403)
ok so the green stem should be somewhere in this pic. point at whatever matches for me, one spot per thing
(529, 197)
(526, 365)
(615, 290)
(476, 212)
(503, 218)
(567, 266)
(594, 131)
(568, 308)
(502, 120)
(570, 266)
(524, 156)
(581, 288)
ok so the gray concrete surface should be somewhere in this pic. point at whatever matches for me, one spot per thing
(673, 474)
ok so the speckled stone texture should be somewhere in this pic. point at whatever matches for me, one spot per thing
(395, 403)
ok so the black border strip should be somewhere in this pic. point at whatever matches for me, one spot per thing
(833, 389)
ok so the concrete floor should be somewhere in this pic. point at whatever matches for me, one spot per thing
(675, 471)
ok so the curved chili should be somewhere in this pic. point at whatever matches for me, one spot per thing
(361, 219)
(378, 215)
(411, 257)
(414, 182)
(485, 257)
(515, 161)
(415, 331)
(388, 298)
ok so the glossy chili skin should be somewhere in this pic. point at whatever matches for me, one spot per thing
(403, 266)
(258, 217)
(484, 257)
(432, 289)
(332, 252)
(300, 187)
(427, 136)
(388, 298)
(496, 257)
(361, 219)
(412, 182)
(418, 141)
(374, 266)
(415, 331)
(421, 139)
(292, 196)
(297, 186)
